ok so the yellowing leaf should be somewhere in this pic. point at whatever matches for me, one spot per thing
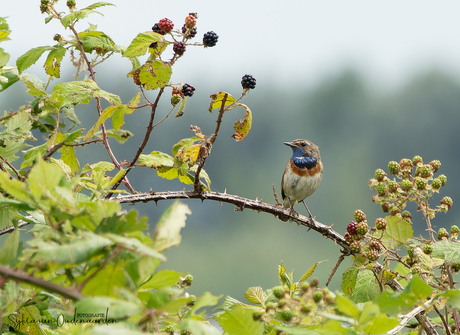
(243, 127)
(155, 74)
(216, 100)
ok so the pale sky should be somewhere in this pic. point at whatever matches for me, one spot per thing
(284, 42)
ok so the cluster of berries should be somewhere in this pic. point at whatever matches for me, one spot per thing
(416, 181)
(357, 232)
(166, 26)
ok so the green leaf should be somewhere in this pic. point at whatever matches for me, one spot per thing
(34, 85)
(156, 159)
(10, 248)
(118, 119)
(25, 314)
(31, 57)
(380, 324)
(135, 245)
(76, 252)
(141, 43)
(82, 13)
(308, 273)
(349, 278)
(106, 281)
(4, 58)
(453, 298)
(230, 303)
(155, 74)
(96, 40)
(207, 299)
(366, 288)
(255, 295)
(43, 178)
(445, 249)
(167, 231)
(346, 306)
(8, 76)
(106, 113)
(183, 144)
(418, 288)
(239, 321)
(216, 100)
(120, 135)
(243, 127)
(53, 61)
(162, 278)
(397, 233)
(15, 188)
(180, 111)
(196, 327)
(295, 330)
(115, 308)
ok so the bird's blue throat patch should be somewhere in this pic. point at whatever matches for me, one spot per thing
(302, 161)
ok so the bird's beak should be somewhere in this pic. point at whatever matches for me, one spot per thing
(288, 144)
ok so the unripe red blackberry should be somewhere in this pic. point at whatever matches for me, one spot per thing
(355, 247)
(179, 48)
(190, 21)
(385, 207)
(359, 215)
(447, 201)
(210, 39)
(454, 231)
(381, 224)
(314, 282)
(436, 184)
(424, 171)
(428, 249)
(352, 228)
(188, 90)
(362, 228)
(443, 179)
(442, 234)
(372, 255)
(420, 183)
(379, 174)
(393, 167)
(347, 236)
(248, 81)
(395, 210)
(406, 185)
(375, 245)
(189, 33)
(166, 25)
(157, 29)
(136, 79)
(317, 296)
(286, 314)
(435, 164)
(417, 160)
(393, 186)
(406, 215)
(177, 90)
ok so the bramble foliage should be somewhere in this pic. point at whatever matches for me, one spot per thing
(90, 268)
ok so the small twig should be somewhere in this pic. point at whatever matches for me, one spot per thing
(47, 154)
(12, 167)
(278, 203)
(446, 325)
(163, 119)
(454, 310)
(339, 261)
(85, 143)
(21, 276)
(8, 115)
(11, 229)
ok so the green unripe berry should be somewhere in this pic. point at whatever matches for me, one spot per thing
(455, 267)
(256, 316)
(442, 234)
(355, 247)
(417, 160)
(424, 171)
(395, 210)
(282, 303)
(443, 179)
(314, 282)
(447, 201)
(410, 250)
(169, 329)
(362, 228)
(420, 183)
(347, 236)
(436, 183)
(270, 306)
(191, 300)
(307, 308)
(406, 184)
(185, 332)
(175, 99)
(372, 255)
(405, 164)
(428, 249)
(286, 314)
(278, 291)
(435, 164)
(381, 189)
(318, 296)
(393, 186)
(304, 287)
(359, 216)
(406, 215)
(188, 280)
(381, 224)
(380, 174)
(393, 167)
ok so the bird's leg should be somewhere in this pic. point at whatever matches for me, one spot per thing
(306, 207)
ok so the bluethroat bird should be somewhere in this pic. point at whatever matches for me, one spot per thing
(302, 174)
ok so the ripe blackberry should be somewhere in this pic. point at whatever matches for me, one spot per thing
(210, 39)
(248, 81)
(179, 48)
(189, 33)
(352, 228)
(188, 90)
(157, 29)
(166, 25)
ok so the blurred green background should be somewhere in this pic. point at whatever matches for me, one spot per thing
(361, 112)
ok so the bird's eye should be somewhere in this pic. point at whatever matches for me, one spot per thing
(303, 144)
